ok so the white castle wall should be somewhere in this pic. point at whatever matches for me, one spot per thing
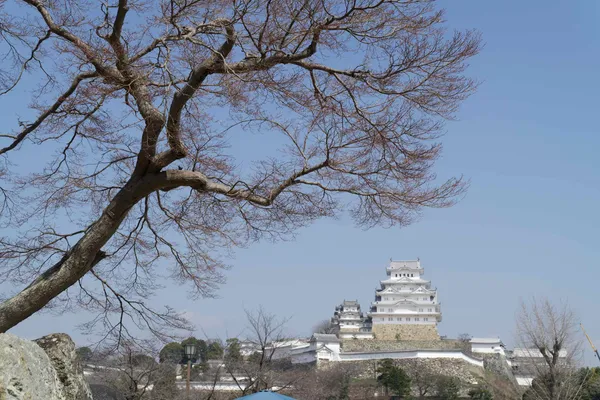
(399, 355)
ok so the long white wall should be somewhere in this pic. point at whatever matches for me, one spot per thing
(410, 354)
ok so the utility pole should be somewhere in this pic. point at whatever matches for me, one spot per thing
(590, 340)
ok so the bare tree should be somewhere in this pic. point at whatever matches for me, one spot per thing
(550, 349)
(325, 326)
(135, 374)
(270, 366)
(464, 337)
(331, 383)
(501, 387)
(136, 110)
(422, 376)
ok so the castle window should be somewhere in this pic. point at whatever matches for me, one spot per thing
(429, 309)
(399, 319)
(420, 310)
(426, 319)
(390, 319)
(390, 310)
(411, 274)
(408, 318)
(416, 319)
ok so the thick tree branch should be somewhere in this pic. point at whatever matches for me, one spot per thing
(197, 76)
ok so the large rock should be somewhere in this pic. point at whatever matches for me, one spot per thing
(26, 372)
(61, 350)
(45, 369)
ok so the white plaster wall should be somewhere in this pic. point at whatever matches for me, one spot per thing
(410, 354)
(486, 348)
(524, 381)
(304, 358)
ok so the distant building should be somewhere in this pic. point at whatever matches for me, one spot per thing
(487, 346)
(528, 363)
(349, 321)
(247, 348)
(321, 347)
(405, 307)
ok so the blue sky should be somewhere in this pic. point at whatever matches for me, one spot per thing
(529, 225)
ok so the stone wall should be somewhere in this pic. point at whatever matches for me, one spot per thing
(405, 332)
(430, 367)
(355, 345)
(497, 365)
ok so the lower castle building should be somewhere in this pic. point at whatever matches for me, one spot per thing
(348, 321)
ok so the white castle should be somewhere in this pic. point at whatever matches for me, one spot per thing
(405, 308)
(405, 305)
(402, 325)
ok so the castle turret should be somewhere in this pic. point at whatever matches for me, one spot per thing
(405, 307)
(349, 321)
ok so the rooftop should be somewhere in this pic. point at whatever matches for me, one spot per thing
(533, 353)
(405, 264)
(405, 280)
(486, 340)
(325, 337)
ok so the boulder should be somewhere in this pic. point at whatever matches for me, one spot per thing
(61, 350)
(26, 371)
(46, 368)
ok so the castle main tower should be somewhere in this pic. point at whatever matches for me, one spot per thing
(405, 307)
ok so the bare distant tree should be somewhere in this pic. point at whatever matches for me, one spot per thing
(464, 337)
(501, 387)
(135, 374)
(136, 108)
(325, 326)
(422, 376)
(333, 382)
(269, 366)
(551, 346)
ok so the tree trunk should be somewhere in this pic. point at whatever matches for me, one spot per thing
(80, 259)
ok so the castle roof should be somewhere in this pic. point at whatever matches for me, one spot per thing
(406, 264)
(533, 352)
(486, 340)
(405, 279)
(324, 337)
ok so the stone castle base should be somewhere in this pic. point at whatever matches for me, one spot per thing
(405, 332)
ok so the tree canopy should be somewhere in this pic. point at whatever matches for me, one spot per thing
(233, 350)
(172, 353)
(84, 354)
(136, 110)
(393, 378)
(448, 388)
(215, 351)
